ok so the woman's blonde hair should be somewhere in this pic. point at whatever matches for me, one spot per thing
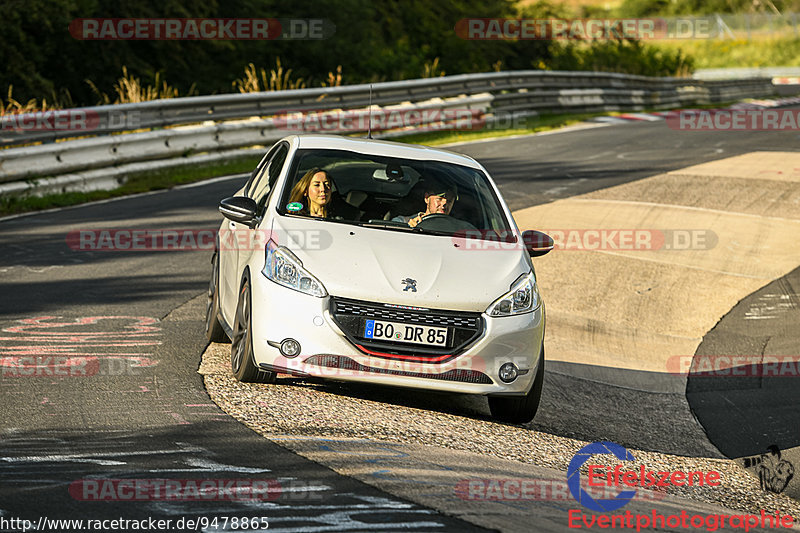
(301, 187)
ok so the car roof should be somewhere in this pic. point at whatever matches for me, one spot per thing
(383, 148)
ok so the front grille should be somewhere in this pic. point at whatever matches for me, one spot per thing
(408, 314)
(463, 328)
(345, 363)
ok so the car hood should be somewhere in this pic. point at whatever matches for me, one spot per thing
(372, 264)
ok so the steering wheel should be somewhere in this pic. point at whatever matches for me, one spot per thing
(442, 222)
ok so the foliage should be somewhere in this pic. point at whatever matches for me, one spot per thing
(334, 80)
(278, 79)
(431, 69)
(11, 105)
(646, 8)
(130, 90)
(375, 40)
(631, 57)
(729, 53)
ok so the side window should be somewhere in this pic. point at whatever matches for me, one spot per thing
(269, 174)
(276, 165)
(257, 174)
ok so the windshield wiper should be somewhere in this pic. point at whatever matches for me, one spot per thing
(432, 231)
(372, 224)
(399, 227)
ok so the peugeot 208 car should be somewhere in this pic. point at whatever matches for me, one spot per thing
(395, 264)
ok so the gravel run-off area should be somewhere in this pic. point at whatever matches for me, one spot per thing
(294, 407)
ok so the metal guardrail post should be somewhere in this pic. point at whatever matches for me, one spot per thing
(215, 127)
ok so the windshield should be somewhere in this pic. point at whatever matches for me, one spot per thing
(393, 193)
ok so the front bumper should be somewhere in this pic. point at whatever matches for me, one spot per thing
(279, 313)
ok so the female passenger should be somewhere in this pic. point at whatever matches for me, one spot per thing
(314, 192)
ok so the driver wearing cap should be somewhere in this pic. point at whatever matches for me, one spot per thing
(439, 199)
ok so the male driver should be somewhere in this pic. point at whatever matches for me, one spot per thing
(439, 199)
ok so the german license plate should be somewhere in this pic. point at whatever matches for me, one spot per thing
(399, 332)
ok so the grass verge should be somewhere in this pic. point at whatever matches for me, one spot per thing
(732, 53)
(521, 127)
(166, 179)
(10, 205)
(151, 181)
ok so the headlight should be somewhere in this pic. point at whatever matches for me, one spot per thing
(285, 269)
(522, 298)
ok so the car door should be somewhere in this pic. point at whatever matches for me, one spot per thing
(240, 241)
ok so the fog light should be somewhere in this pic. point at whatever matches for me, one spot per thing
(508, 372)
(291, 348)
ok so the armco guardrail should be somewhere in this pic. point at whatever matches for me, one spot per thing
(740, 73)
(195, 109)
(112, 150)
(217, 125)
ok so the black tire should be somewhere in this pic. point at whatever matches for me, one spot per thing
(214, 330)
(242, 344)
(520, 409)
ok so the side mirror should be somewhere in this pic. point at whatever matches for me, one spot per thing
(537, 243)
(239, 209)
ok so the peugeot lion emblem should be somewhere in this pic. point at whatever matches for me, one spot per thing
(411, 285)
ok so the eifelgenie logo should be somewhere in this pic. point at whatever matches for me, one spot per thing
(600, 476)
(640, 478)
(619, 476)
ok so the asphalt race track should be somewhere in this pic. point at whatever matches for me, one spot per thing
(132, 406)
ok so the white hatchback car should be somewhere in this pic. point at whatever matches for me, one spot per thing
(364, 260)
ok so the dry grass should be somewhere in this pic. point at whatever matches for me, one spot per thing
(130, 90)
(727, 53)
(257, 80)
(10, 105)
(431, 69)
(334, 80)
(576, 6)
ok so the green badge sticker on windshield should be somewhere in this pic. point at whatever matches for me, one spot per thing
(294, 206)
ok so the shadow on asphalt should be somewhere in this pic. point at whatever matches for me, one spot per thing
(204, 469)
(570, 407)
(744, 385)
